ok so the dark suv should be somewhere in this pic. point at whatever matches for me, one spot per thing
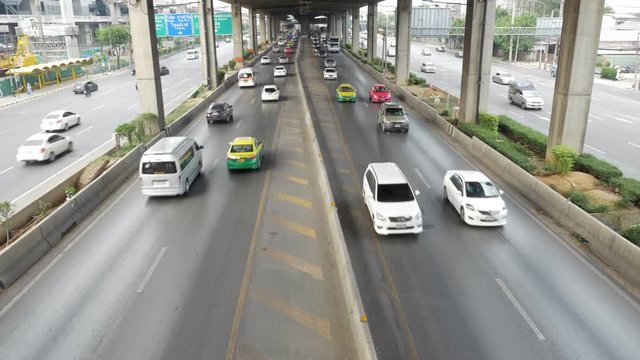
(219, 112)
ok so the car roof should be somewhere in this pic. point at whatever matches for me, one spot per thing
(388, 173)
(167, 145)
(378, 85)
(41, 136)
(57, 112)
(391, 104)
(472, 175)
(332, 69)
(279, 67)
(243, 140)
(345, 85)
(269, 86)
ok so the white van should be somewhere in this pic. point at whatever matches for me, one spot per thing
(193, 54)
(390, 200)
(246, 77)
(169, 167)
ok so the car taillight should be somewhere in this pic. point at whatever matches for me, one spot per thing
(252, 157)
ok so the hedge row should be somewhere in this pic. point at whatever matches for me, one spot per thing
(601, 169)
(532, 139)
(632, 234)
(506, 147)
(629, 189)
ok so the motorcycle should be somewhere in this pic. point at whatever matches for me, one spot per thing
(87, 92)
(133, 72)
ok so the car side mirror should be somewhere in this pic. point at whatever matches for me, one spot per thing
(200, 147)
(231, 143)
(501, 192)
(417, 192)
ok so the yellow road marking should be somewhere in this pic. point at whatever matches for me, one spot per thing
(295, 179)
(337, 156)
(291, 128)
(292, 121)
(309, 320)
(295, 226)
(344, 171)
(326, 124)
(295, 262)
(246, 352)
(299, 164)
(295, 149)
(293, 199)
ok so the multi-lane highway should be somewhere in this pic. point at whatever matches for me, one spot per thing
(613, 132)
(115, 102)
(455, 291)
(239, 268)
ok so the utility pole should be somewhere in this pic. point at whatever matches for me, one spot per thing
(513, 17)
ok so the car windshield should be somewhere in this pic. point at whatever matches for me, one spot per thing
(394, 193)
(394, 112)
(330, 70)
(379, 89)
(245, 76)
(33, 143)
(52, 116)
(484, 189)
(529, 94)
(217, 107)
(346, 89)
(505, 75)
(242, 148)
(265, 58)
(159, 167)
(269, 90)
(79, 84)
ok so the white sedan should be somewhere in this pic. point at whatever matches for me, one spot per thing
(330, 74)
(475, 197)
(270, 93)
(425, 52)
(427, 68)
(279, 71)
(59, 120)
(283, 60)
(265, 60)
(44, 147)
(503, 78)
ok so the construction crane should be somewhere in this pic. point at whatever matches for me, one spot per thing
(22, 57)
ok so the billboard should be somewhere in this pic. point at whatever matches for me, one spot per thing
(189, 24)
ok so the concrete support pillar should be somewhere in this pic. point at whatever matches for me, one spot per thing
(253, 31)
(343, 21)
(355, 29)
(236, 26)
(143, 39)
(266, 20)
(71, 41)
(263, 29)
(208, 44)
(476, 64)
(372, 31)
(403, 41)
(113, 12)
(574, 81)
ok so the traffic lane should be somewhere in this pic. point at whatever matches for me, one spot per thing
(549, 296)
(100, 312)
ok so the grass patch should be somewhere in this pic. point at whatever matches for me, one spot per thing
(181, 110)
(601, 169)
(532, 139)
(581, 200)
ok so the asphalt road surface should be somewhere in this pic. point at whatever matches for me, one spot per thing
(455, 291)
(161, 278)
(613, 132)
(115, 102)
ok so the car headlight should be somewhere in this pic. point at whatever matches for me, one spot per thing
(470, 207)
(418, 216)
(380, 217)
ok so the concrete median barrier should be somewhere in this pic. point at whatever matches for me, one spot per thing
(18, 257)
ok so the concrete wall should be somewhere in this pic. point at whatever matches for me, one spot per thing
(616, 251)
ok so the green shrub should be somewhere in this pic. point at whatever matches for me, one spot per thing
(489, 121)
(532, 139)
(377, 67)
(348, 46)
(231, 64)
(563, 158)
(415, 80)
(609, 73)
(220, 74)
(629, 189)
(632, 234)
(583, 202)
(127, 130)
(391, 67)
(444, 113)
(506, 147)
(601, 169)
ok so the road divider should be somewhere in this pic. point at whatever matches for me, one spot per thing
(617, 252)
(38, 240)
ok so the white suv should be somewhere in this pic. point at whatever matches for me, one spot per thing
(390, 200)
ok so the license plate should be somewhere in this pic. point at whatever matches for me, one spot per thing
(401, 226)
(396, 125)
(240, 160)
(159, 182)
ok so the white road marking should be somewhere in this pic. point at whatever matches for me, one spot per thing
(60, 255)
(594, 116)
(632, 144)
(239, 123)
(215, 163)
(523, 313)
(594, 149)
(619, 119)
(132, 106)
(179, 96)
(97, 108)
(543, 118)
(253, 100)
(85, 130)
(516, 114)
(422, 178)
(6, 170)
(365, 104)
(629, 117)
(147, 276)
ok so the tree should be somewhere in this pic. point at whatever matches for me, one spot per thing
(525, 19)
(114, 36)
(6, 211)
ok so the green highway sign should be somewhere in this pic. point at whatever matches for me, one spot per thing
(222, 21)
(196, 24)
(161, 26)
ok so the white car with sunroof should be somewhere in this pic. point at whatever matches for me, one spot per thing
(475, 197)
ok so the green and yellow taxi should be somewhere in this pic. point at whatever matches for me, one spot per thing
(245, 153)
(346, 92)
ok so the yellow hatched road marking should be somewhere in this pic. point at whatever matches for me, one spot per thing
(299, 164)
(291, 128)
(295, 262)
(309, 320)
(295, 226)
(294, 179)
(293, 199)
(246, 352)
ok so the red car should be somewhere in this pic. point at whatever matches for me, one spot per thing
(288, 50)
(379, 93)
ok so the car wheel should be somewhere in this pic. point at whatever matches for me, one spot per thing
(510, 100)
(78, 123)
(444, 194)
(52, 156)
(66, 126)
(523, 105)
(462, 215)
(199, 168)
(186, 187)
(70, 146)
